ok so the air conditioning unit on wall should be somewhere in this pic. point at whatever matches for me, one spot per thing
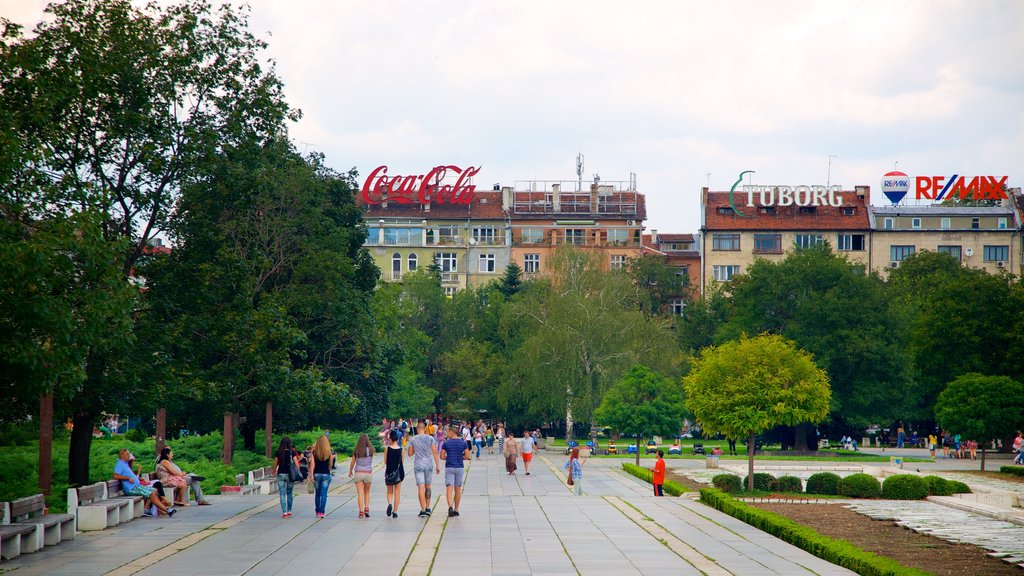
(630, 222)
(1000, 264)
(894, 264)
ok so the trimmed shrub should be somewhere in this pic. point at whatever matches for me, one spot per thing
(823, 483)
(905, 487)
(762, 481)
(671, 487)
(1015, 470)
(860, 486)
(958, 487)
(838, 552)
(938, 486)
(727, 482)
(789, 484)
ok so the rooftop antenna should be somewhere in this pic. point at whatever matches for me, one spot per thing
(828, 178)
(579, 172)
(709, 180)
(632, 181)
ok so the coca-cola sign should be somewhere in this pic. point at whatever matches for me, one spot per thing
(423, 189)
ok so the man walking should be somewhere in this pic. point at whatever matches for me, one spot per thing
(423, 449)
(455, 451)
(527, 450)
(658, 474)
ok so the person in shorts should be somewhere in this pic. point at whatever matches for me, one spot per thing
(527, 450)
(455, 452)
(131, 486)
(422, 447)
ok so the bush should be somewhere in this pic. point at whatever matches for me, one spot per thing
(136, 435)
(905, 487)
(938, 486)
(670, 486)
(789, 484)
(727, 483)
(1015, 470)
(831, 550)
(958, 487)
(860, 486)
(825, 483)
(762, 481)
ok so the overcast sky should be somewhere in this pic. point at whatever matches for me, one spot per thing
(671, 90)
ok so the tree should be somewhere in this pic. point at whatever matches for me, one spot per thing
(409, 397)
(981, 408)
(111, 106)
(744, 387)
(658, 282)
(642, 403)
(510, 282)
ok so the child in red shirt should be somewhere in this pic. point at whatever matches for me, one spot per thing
(658, 478)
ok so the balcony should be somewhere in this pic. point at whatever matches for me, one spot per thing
(449, 277)
(396, 276)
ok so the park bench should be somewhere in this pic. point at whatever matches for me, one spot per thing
(240, 487)
(169, 493)
(265, 479)
(17, 538)
(51, 529)
(92, 509)
(136, 504)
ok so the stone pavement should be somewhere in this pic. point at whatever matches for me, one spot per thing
(509, 525)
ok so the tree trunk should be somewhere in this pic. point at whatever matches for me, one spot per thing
(81, 441)
(248, 428)
(268, 430)
(568, 414)
(45, 443)
(982, 456)
(161, 429)
(638, 450)
(800, 439)
(229, 439)
(750, 462)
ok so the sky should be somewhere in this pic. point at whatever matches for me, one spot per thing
(684, 94)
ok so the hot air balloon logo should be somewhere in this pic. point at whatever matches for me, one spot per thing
(895, 186)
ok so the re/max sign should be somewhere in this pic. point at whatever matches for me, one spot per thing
(975, 188)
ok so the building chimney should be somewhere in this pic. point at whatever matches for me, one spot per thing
(654, 238)
(506, 198)
(594, 198)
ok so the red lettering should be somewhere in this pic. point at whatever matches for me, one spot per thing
(925, 187)
(378, 187)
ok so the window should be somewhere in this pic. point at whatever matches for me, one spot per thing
(945, 223)
(997, 253)
(531, 236)
(449, 291)
(448, 234)
(725, 273)
(766, 209)
(487, 236)
(412, 262)
(373, 235)
(850, 242)
(808, 209)
(531, 263)
(898, 253)
(953, 251)
(618, 261)
(767, 243)
(618, 237)
(396, 267)
(858, 269)
(849, 210)
(724, 210)
(975, 223)
(676, 306)
(1002, 223)
(808, 240)
(487, 262)
(915, 223)
(725, 241)
(402, 236)
(683, 271)
(887, 224)
(448, 261)
(574, 236)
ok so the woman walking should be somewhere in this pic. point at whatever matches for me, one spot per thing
(362, 466)
(511, 453)
(285, 458)
(321, 474)
(478, 441)
(501, 440)
(394, 473)
(575, 469)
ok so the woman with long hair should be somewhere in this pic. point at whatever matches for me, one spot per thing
(394, 473)
(321, 473)
(574, 467)
(285, 457)
(362, 465)
(169, 474)
(511, 452)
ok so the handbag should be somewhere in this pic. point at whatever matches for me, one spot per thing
(294, 474)
(310, 488)
(570, 474)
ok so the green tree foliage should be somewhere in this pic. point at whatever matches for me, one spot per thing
(642, 403)
(815, 298)
(696, 327)
(981, 408)
(746, 386)
(410, 397)
(658, 282)
(511, 280)
(576, 335)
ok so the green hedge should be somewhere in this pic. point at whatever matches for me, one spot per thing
(789, 484)
(823, 483)
(860, 486)
(762, 481)
(836, 551)
(905, 487)
(727, 483)
(1015, 470)
(939, 486)
(670, 486)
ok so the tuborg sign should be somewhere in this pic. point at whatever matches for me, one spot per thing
(423, 189)
(778, 195)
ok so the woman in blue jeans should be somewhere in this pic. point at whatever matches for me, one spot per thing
(321, 476)
(285, 457)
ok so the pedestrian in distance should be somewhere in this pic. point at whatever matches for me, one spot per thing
(478, 441)
(658, 474)
(527, 450)
(1018, 449)
(360, 469)
(394, 473)
(454, 451)
(489, 438)
(932, 441)
(574, 467)
(426, 463)
(321, 476)
(901, 435)
(511, 453)
(285, 458)
(500, 437)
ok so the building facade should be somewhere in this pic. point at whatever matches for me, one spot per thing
(682, 252)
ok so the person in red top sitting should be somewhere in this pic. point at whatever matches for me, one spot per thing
(658, 478)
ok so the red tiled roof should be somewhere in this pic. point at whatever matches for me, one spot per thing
(486, 204)
(785, 218)
(675, 237)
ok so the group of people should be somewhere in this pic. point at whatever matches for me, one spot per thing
(168, 476)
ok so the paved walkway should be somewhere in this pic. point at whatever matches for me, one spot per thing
(509, 525)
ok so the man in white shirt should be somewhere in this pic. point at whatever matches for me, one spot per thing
(527, 450)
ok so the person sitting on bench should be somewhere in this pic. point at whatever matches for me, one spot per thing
(131, 487)
(171, 475)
